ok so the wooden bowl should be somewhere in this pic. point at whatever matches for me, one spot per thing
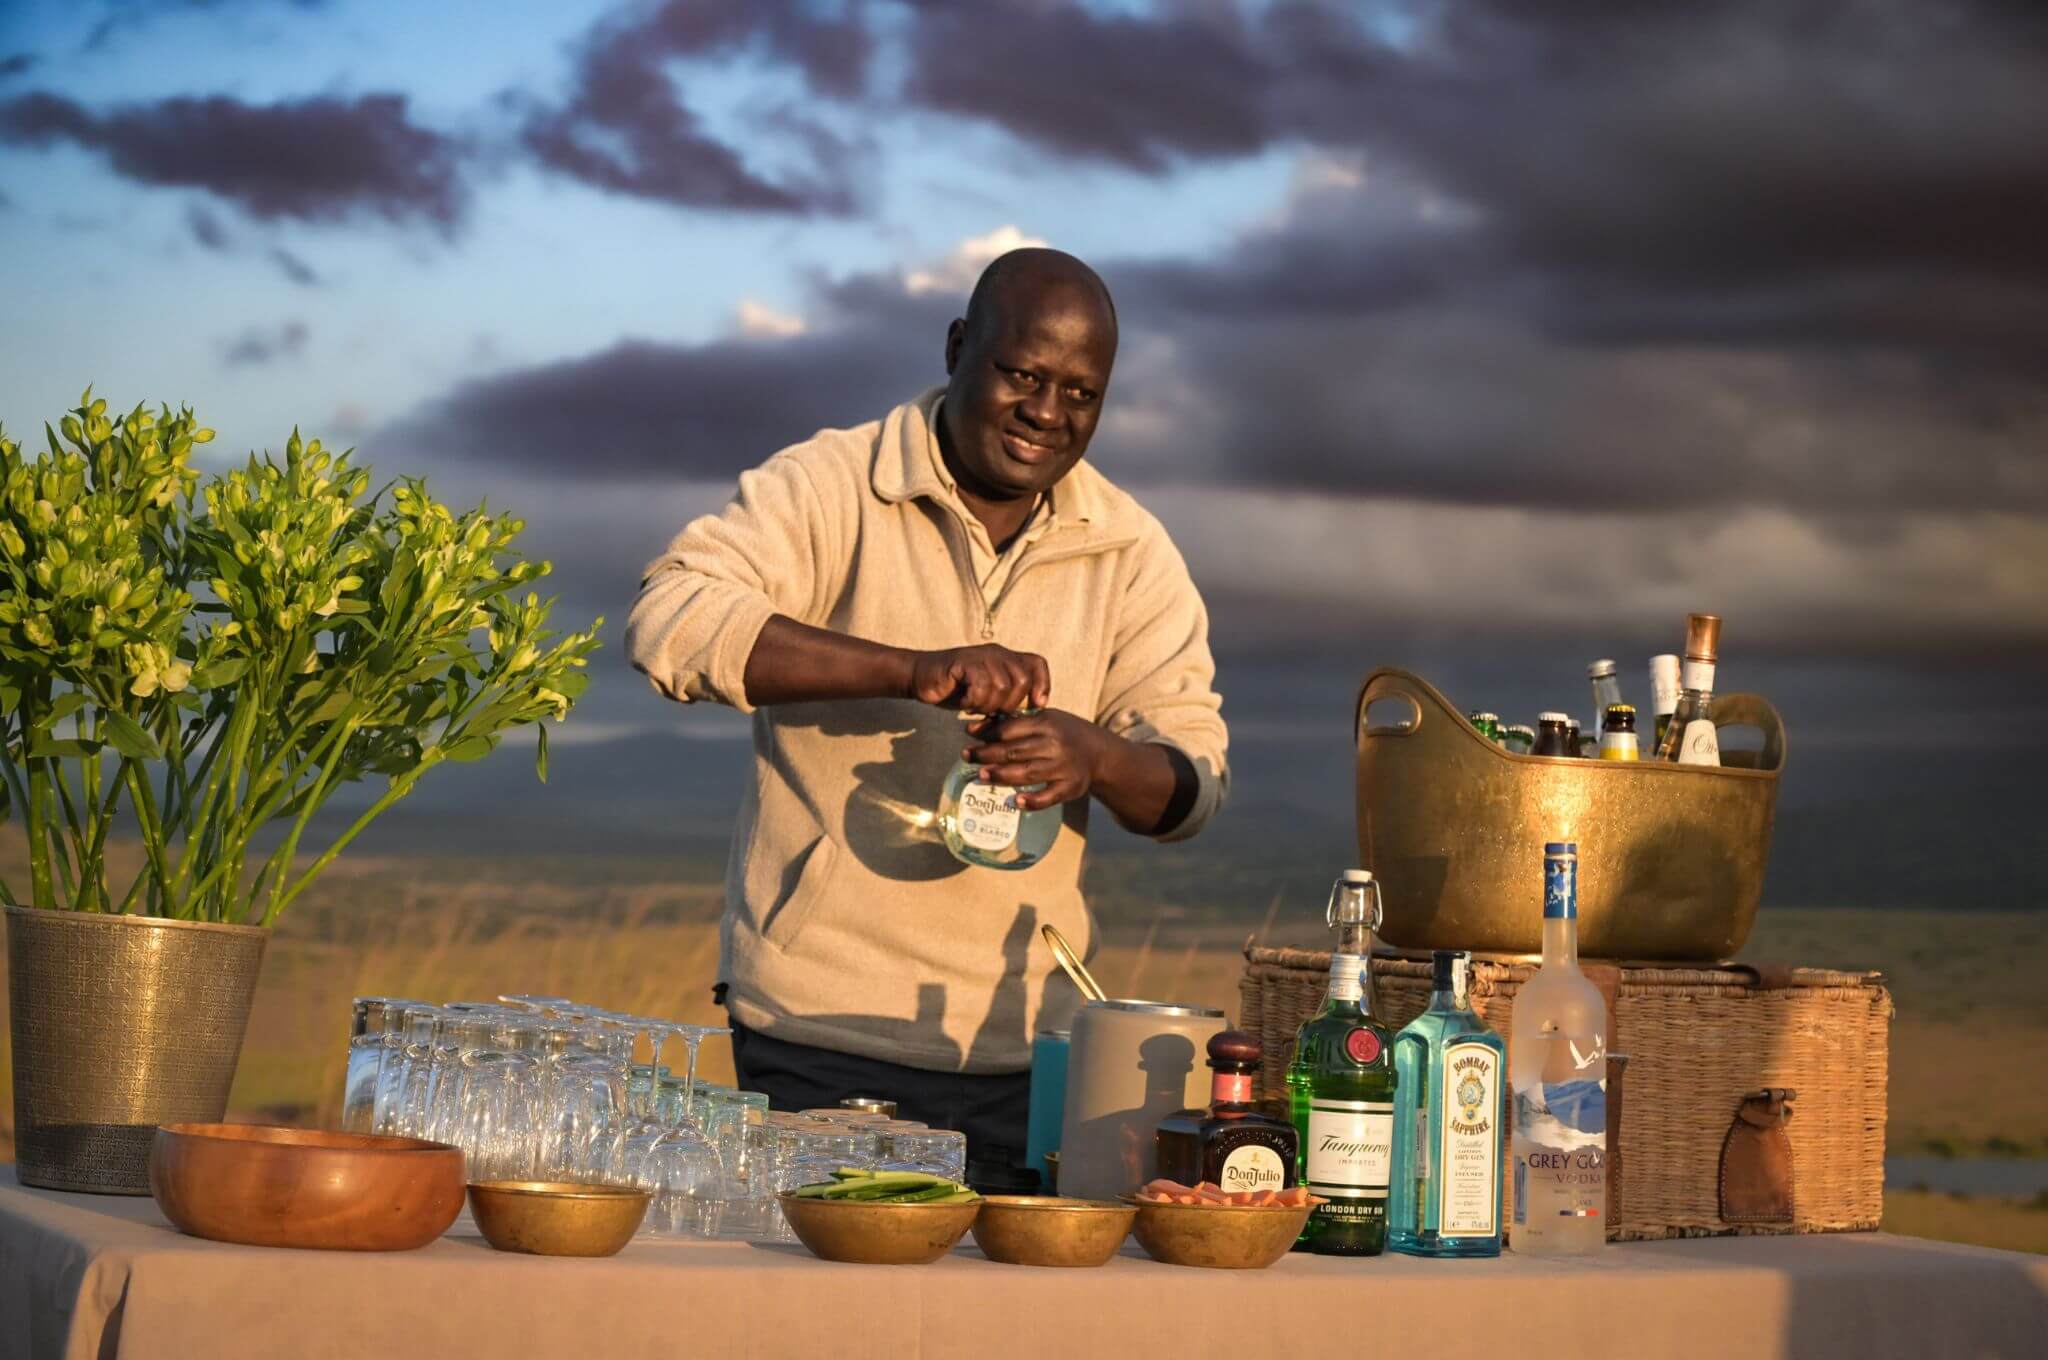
(1045, 1230)
(1218, 1236)
(878, 1234)
(557, 1218)
(275, 1187)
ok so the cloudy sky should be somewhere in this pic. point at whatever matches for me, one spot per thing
(1482, 337)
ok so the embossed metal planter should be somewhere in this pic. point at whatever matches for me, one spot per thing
(119, 1024)
(1671, 857)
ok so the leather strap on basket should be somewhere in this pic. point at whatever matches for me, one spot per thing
(1756, 1160)
(1607, 977)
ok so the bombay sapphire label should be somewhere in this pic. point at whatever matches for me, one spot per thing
(1363, 1046)
(988, 816)
(1468, 1145)
(1350, 1148)
(1253, 1168)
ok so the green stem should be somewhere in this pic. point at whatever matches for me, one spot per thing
(70, 825)
(91, 882)
(152, 840)
(198, 828)
(398, 790)
(102, 822)
(40, 885)
(246, 828)
(283, 858)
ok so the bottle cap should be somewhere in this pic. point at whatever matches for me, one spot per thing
(1600, 669)
(1552, 849)
(1552, 717)
(1358, 876)
(1233, 1050)
(1619, 718)
(1483, 716)
(1702, 636)
(1444, 967)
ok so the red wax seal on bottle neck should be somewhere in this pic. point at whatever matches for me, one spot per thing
(1363, 1045)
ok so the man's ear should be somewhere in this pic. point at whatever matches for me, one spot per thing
(956, 336)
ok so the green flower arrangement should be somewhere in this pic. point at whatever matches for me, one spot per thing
(209, 663)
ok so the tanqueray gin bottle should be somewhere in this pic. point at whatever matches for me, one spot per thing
(1341, 1086)
(982, 824)
(1450, 1073)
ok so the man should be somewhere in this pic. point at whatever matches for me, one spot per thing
(955, 554)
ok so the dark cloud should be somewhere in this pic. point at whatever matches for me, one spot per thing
(1141, 91)
(627, 128)
(649, 411)
(207, 228)
(292, 267)
(209, 231)
(265, 344)
(1736, 173)
(322, 159)
(15, 63)
(125, 16)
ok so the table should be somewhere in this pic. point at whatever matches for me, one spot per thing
(87, 1276)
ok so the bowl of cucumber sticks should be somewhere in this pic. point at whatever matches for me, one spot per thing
(881, 1218)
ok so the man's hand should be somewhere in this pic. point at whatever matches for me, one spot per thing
(986, 679)
(1060, 750)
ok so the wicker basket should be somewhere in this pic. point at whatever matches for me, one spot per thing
(1698, 1041)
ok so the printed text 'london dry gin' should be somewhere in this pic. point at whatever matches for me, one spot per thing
(1450, 1071)
(1557, 1065)
(1341, 1088)
(983, 825)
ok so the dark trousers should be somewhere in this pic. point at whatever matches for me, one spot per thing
(992, 1110)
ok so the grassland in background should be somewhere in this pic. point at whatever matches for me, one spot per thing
(641, 937)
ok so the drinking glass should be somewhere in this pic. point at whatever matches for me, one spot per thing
(692, 1036)
(936, 1152)
(376, 1032)
(401, 1086)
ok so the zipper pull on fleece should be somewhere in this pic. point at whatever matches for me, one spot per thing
(988, 624)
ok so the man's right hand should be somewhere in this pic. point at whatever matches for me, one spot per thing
(984, 679)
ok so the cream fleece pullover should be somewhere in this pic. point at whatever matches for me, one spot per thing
(847, 924)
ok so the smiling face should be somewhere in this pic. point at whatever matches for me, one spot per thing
(1029, 367)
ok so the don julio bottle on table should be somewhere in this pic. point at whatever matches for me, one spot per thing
(1341, 1085)
(1233, 1144)
(1557, 1068)
(1450, 1074)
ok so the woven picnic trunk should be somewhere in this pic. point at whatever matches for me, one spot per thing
(1698, 1040)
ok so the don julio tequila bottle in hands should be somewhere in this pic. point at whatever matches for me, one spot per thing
(982, 824)
(1557, 1065)
(1449, 1071)
(1341, 1085)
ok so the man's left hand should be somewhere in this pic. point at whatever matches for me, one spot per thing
(1060, 750)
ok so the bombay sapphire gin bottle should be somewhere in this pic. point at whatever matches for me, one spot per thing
(1450, 1075)
(982, 824)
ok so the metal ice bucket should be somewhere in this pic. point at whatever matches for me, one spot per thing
(1671, 857)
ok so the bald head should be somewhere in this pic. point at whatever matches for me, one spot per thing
(1032, 276)
(1028, 367)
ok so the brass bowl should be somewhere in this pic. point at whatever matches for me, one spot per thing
(557, 1218)
(1218, 1236)
(878, 1234)
(273, 1187)
(1045, 1230)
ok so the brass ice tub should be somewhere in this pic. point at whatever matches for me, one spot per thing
(1671, 857)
